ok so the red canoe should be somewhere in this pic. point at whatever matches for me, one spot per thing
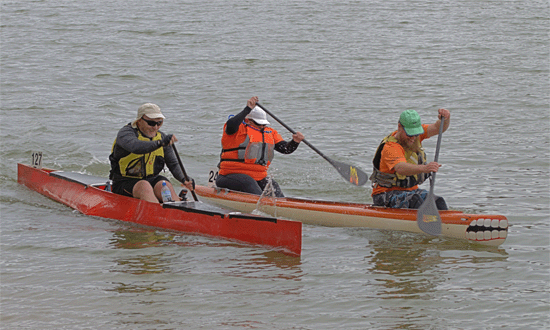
(86, 194)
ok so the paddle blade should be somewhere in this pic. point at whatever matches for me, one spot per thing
(428, 218)
(350, 173)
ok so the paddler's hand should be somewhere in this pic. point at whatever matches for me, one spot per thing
(445, 113)
(190, 184)
(252, 102)
(168, 139)
(298, 137)
(432, 167)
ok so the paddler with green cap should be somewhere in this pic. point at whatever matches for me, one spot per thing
(400, 163)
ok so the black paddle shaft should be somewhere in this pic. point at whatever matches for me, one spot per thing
(183, 170)
(294, 132)
(345, 170)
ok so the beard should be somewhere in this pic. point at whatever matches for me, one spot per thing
(406, 143)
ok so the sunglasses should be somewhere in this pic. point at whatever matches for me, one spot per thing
(257, 123)
(152, 123)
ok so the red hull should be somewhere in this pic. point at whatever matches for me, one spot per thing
(281, 235)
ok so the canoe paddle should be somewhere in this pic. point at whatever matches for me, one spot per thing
(352, 174)
(183, 170)
(428, 218)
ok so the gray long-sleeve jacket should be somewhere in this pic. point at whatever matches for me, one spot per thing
(127, 142)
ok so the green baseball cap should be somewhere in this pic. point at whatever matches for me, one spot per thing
(410, 120)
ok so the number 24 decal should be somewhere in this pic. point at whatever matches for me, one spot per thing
(213, 175)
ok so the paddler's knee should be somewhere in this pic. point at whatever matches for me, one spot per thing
(440, 203)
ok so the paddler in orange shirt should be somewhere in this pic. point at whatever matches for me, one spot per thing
(248, 146)
(400, 163)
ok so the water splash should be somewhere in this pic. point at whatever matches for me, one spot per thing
(268, 192)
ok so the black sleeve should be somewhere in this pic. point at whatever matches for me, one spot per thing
(286, 147)
(233, 123)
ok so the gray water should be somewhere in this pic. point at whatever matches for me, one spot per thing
(73, 73)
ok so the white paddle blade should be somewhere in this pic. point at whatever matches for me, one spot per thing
(428, 218)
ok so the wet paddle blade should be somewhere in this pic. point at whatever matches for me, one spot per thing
(428, 218)
(350, 173)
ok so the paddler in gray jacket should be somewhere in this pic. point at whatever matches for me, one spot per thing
(139, 154)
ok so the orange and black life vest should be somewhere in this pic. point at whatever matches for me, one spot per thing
(248, 151)
(389, 180)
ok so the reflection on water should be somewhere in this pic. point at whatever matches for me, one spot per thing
(140, 263)
(280, 260)
(269, 264)
(143, 264)
(153, 255)
(140, 238)
(408, 266)
(413, 265)
(136, 288)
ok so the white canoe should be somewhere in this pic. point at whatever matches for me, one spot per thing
(480, 228)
